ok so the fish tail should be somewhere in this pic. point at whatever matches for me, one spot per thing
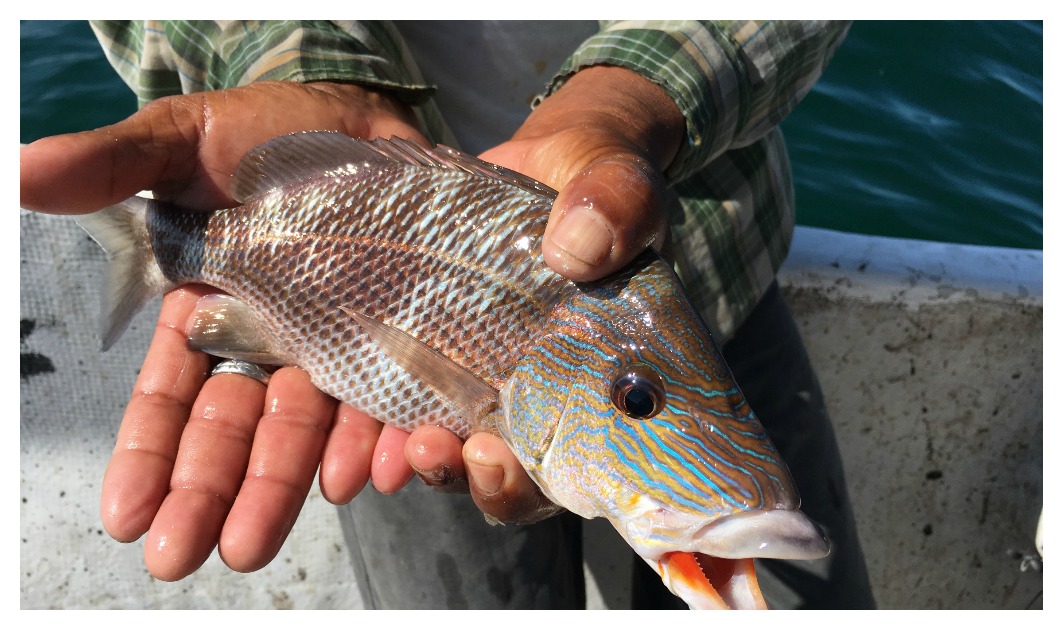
(133, 275)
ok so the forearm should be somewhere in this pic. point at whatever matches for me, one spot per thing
(618, 108)
(162, 58)
(732, 81)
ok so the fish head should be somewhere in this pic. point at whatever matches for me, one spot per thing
(625, 409)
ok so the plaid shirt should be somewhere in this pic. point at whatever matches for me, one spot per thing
(733, 81)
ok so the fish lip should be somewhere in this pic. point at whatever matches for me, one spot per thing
(786, 534)
(780, 534)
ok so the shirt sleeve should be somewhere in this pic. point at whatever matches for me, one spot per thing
(733, 81)
(162, 58)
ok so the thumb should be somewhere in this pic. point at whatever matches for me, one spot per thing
(604, 216)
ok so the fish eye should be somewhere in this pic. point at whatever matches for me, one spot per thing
(639, 391)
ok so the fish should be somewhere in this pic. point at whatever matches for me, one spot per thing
(409, 283)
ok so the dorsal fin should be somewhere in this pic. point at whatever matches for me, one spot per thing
(288, 159)
(442, 156)
(285, 160)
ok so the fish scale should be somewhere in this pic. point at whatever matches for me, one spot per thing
(277, 262)
(409, 283)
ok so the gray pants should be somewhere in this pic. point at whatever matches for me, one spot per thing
(423, 549)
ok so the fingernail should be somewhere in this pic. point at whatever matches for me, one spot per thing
(487, 479)
(584, 236)
(439, 476)
(444, 479)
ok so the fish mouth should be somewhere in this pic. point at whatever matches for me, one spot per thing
(707, 582)
(713, 568)
(781, 534)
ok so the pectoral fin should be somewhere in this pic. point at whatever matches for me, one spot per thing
(227, 327)
(463, 390)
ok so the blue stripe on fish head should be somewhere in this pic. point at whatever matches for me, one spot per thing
(684, 442)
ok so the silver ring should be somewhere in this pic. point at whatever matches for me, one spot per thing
(244, 368)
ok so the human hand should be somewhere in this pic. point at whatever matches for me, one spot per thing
(602, 141)
(216, 461)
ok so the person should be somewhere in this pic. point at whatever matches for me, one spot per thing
(654, 134)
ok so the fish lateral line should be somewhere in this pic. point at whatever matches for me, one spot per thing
(489, 272)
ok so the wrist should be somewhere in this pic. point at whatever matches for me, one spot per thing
(615, 102)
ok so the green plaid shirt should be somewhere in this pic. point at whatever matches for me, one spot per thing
(733, 81)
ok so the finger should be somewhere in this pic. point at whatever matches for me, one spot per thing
(611, 203)
(287, 448)
(390, 470)
(207, 473)
(602, 141)
(500, 486)
(186, 147)
(607, 214)
(346, 462)
(138, 474)
(82, 172)
(435, 455)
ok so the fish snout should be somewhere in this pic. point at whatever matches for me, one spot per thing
(719, 572)
(782, 534)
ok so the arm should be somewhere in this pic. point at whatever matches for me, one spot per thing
(732, 81)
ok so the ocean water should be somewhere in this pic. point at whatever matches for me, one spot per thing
(929, 130)
(926, 130)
